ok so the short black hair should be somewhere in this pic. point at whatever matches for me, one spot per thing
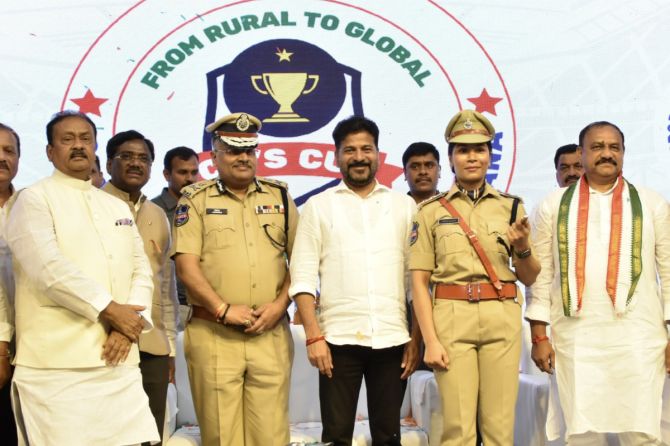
(16, 136)
(450, 149)
(419, 149)
(58, 117)
(181, 152)
(586, 129)
(568, 148)
(122, 137)
(355, 124)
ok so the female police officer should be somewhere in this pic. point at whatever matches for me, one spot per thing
(462, 243)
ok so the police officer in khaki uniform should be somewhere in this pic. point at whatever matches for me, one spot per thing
(232, 238)
(472, 327)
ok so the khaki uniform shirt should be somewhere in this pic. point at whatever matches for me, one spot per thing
(241, 243)
(154, 229)
(440, 245)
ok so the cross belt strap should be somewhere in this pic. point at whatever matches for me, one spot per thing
(474, 241)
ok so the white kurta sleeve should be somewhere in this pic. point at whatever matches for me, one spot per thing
(662, 250)
(6, 316)
(538, 307)
(305, 258)
(32, 240)
(142, 286)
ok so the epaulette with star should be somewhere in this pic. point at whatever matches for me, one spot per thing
(272, 182)
(513, 197)
(431, 199)
(194, 189)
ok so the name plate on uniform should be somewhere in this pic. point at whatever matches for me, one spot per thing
(270, 209)
(216, 211)
(448, 221)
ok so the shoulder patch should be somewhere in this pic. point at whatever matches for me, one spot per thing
(181, 215)
(195, 188)
(506, 195)
(432, 199)
(272, 182)
(414, 234)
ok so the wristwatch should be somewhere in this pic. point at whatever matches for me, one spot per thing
(523, 254)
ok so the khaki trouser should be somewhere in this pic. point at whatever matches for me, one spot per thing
(240, 383)
(483, 342)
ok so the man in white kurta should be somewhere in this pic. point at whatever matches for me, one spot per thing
(609, 341)
(83, 295)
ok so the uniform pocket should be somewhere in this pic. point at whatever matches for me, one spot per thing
(443, 319)
(497, 241)
(220, 230)
(451, 238)
(274, 233)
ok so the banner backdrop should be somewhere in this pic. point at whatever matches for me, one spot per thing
(539, 70)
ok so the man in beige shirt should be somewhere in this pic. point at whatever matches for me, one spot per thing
(129, 159)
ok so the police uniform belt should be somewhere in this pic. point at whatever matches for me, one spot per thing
(475, 291)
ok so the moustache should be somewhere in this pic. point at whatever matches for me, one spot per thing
(135, 170)
(606, 160)
(4, 165)
(572, 177)
(242, 164)
(78, 153)
(358, 164)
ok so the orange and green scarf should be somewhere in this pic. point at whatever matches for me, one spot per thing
(625, 243)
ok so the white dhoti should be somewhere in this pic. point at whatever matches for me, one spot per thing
(102, 406)
(610, 372)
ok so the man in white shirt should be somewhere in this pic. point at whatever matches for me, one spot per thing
(83, 296)
(602, 244)
(10, 152)
(353, 240)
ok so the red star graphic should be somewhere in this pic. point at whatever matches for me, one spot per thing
(89, 103)
(485, 103)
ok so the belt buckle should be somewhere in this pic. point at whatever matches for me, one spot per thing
(471, 297)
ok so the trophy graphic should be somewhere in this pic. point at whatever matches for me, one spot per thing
(285, 89)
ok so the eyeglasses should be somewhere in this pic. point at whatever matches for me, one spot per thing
(127, 157)
(251, 151)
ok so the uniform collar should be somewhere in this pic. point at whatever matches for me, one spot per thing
(255, 186)
(488, 190)
(409, 194)
(70, 181)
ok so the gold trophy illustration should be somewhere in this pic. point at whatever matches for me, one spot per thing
(285, 89)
